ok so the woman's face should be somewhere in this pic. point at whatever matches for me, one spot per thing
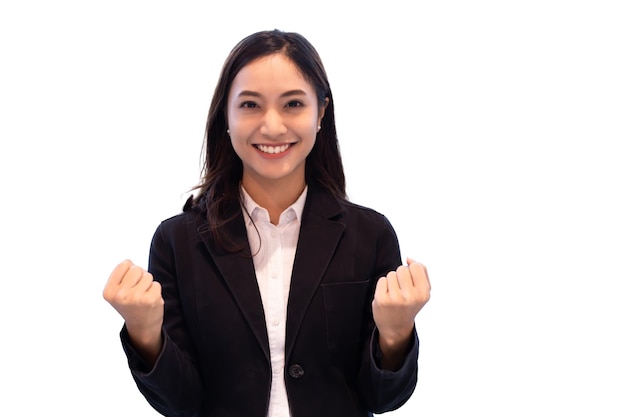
(273, 118)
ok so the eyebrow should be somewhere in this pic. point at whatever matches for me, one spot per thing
(285, 94)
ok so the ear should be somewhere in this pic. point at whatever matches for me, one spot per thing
(322, 110)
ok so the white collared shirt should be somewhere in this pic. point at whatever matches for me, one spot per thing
(273, 257)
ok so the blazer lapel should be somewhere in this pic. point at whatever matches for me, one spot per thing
(318, 239)
(237, 269)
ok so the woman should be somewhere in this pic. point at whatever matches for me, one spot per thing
(271, 294)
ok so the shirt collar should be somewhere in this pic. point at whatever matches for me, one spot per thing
(256, 211)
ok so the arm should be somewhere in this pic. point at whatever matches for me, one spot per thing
(162, 361)
(389, 368)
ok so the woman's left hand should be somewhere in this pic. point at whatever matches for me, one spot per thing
(398, 298)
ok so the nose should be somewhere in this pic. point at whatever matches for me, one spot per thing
(272, 124)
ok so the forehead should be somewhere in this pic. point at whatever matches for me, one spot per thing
(271, 72)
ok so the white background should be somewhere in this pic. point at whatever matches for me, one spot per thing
(491, 133)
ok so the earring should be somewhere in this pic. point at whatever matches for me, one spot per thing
(318, 128)
(228, 131)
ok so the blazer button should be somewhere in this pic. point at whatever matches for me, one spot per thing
(296, 371)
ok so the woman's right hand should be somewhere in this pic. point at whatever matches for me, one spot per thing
(132, 291)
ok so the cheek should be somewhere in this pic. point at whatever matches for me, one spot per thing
(237, 145)
(308, 126)
(314, 130)
(232, 121)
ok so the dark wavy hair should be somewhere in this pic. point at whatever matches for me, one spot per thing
(222, 169)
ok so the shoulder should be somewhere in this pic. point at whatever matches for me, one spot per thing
(353, 208)
(181, 225)
(372, 233)
(323, 204)
(182, 219)
(365, 215)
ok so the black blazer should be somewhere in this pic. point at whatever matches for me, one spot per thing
(215, 359)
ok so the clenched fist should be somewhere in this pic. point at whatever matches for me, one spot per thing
(398, 298)
(137, 297)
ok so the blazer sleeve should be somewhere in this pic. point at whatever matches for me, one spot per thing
(173, 385)
(383, 390)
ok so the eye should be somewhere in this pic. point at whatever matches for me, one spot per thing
(294, 103)
(248, 105)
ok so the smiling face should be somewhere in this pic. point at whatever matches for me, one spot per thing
(273, 118)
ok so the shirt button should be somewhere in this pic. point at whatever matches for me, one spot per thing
(275, 323)
(296, 371)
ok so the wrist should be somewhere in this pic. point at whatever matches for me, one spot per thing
(147, 342)
(394, 348)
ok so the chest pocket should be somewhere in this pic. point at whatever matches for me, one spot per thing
(344, 304)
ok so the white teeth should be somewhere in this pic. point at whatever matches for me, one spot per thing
(272, 149)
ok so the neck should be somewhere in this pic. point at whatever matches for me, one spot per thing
(274, 196)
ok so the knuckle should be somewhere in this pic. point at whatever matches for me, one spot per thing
(417, 267)
(402, 269)
(125, 296)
